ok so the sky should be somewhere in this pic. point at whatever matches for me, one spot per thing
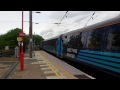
(52, 23)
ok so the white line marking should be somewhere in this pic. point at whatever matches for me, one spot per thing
(45, 68)
(43, 65)
(48, 72)
(52, 77)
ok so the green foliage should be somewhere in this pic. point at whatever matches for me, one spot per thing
(26, 39)
(36, 38)
(1, 40)
(10, 38)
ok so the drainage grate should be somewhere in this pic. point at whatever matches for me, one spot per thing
(81, 77)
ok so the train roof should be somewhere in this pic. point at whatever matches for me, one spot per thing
(91, 27)
(52, 38)
(97, 25)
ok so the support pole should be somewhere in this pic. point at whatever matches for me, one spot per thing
(22, 52)
(30, 35)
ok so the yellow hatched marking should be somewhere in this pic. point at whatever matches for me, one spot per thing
(51, 67)
(66, 73)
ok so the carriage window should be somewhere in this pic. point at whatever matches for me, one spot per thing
(94, 39)
(80, 40)
(71, 42)
(113, 38)
(77, 40)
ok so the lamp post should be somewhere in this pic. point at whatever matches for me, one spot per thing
(34, 39)
(30, 34)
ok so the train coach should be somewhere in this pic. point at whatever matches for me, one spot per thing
(97, 46)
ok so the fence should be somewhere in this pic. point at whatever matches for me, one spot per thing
(7, 53)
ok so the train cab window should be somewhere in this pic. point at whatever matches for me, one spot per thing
(113, 39)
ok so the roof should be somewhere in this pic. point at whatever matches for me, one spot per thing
(98, 25)
(94, 26)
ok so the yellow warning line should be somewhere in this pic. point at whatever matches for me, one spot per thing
(50, 66)
(66, 73)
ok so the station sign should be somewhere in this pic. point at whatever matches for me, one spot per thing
(19, 39)
(21, 34)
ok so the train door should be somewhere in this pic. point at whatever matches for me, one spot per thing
(59, 46)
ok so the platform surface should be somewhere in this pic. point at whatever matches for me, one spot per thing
(45, 66)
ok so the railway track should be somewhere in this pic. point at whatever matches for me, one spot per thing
(7, 66)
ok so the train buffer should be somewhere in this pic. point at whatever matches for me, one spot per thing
(45, 66)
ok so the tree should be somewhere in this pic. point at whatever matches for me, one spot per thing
(37, 39)
(2, 42)
(10, 38)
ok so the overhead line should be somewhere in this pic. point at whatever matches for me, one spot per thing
(62, 18)
(90, 18)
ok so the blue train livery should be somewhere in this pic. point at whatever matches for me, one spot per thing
(97, 46)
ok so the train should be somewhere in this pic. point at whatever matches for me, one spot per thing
(97, 46)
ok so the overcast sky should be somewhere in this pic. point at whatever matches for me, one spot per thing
(47, 28)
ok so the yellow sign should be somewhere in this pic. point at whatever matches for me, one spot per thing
(19, 38)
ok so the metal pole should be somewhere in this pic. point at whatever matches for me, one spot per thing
(34, 41)
(22, 52)
(30, 34)
(19, 50)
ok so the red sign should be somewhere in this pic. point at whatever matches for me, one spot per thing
(21, 34)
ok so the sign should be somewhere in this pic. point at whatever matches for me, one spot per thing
(21, 34)
(19, 39)
(19, 43)
(6, 47)
(30, 39)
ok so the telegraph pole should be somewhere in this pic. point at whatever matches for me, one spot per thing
(30, 34)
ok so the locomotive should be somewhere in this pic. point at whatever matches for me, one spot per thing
(97, 46)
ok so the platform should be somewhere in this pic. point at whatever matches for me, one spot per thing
(45, 66)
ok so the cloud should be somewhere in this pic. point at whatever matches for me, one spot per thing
(57, 14)
(47, 19)
(78, 21)
(72, 14)
(46, 33)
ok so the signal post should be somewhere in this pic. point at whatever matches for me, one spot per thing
(20, 40)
